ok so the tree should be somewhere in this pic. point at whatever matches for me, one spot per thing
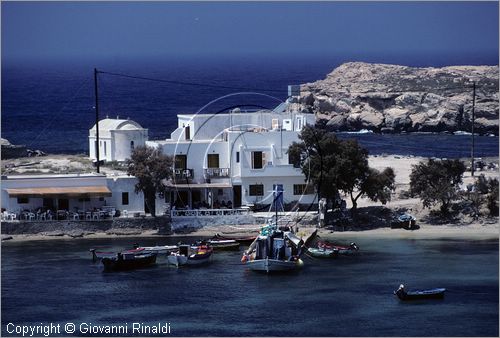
(335, 165)
(151, 168)
(437, 181)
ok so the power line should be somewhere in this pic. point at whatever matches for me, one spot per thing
(197, 84)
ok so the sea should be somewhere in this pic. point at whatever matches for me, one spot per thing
(50, 105)
(55, 282)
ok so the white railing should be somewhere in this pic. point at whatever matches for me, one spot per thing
(209, 212)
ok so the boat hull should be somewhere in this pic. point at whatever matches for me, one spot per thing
(420, 294)
(136, 262)
(319, 253)
(273, 265)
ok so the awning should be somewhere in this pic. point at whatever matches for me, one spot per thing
(200, 185)
(90, 191)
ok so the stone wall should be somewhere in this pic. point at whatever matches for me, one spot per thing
(202, 222)
(162, 224)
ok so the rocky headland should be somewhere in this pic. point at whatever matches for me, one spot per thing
(392, 99)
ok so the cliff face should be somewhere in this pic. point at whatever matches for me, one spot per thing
(391, 98)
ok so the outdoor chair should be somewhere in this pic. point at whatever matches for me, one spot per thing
(95, 216)
(43, 216)
(76, 217)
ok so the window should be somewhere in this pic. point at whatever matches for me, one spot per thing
(220, 192)
(180, 161)
(124, 198)
(258, 158)
(23, 200)
(105, 150)
(237, 157)
(303, 189)
(213, 160)
(187, 132)
(132, 145)
(275, 124)
(256, 190)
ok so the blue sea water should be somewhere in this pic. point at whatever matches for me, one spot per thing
(49, 106)
(56, 282)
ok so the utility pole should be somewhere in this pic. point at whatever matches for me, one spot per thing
(96, 118)
(473, 118)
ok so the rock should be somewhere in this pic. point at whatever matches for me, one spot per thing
(75, 233)
(6, 237)
(54, 233)
(359, 95)
(124, 231)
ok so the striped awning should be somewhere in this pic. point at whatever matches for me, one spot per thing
(89, 191)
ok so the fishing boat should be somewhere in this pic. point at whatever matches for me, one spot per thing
(190, 255)
(338, 249)
(322, 252)
(224, 244)
(274, 250)
(437, 293)
(123, 261)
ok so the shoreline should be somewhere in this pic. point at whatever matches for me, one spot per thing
(466, 232)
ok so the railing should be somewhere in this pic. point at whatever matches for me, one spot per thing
(183, 173)
(209, 212)
(216, 172)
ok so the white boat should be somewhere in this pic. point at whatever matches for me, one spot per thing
(268, 265)
(274, 250)
(159, 249)
(190, 255)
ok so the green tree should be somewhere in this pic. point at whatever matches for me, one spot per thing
(437, 181)
(151, 168)
(335, 165)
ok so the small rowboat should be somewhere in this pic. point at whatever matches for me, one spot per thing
(123, 262)
(322, 252)
(99, 255)
(239, 239)
(224, 244)
(158, 249)
(340, 249)
(190, 255)
(437, 293)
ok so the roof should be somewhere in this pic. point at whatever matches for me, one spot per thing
(199, 185)
(117, 124)
(96, 191)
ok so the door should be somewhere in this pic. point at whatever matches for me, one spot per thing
(236, 196)
(63, 204)
(278, 196)
(180, 161)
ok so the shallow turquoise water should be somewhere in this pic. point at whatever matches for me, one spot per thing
(55, 281)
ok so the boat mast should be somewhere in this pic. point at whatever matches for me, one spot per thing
(96, 118)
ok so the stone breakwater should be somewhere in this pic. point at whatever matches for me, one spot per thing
(392, 98)
(117, 226)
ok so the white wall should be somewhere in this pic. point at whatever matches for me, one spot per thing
(121, 184)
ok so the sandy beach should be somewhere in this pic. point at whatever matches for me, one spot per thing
(484, 227)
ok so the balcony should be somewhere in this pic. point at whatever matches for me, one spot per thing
(183, 174)
(216, 172)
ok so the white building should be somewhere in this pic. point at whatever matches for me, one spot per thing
(74, 193)
(117, 139)
(237, 158)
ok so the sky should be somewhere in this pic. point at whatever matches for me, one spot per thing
(90, 30)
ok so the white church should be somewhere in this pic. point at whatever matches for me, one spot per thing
(226, 160)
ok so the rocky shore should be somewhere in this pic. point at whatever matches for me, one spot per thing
(392, 99)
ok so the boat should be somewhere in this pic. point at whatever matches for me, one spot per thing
(437, 293)
(240, 239)
(190, 255)
(223, 244)
(99, 255)
(158, 249)
(322, 252)
(339, 249)
(406, 221)
(129, 261)
(274, 250)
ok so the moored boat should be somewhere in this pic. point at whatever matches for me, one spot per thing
(238, 238)
(322, 252)
(339, 249)
(436, 293)
(130, 261)
(158, 249)
(190, 255)
(99, 255)
(224, 244)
